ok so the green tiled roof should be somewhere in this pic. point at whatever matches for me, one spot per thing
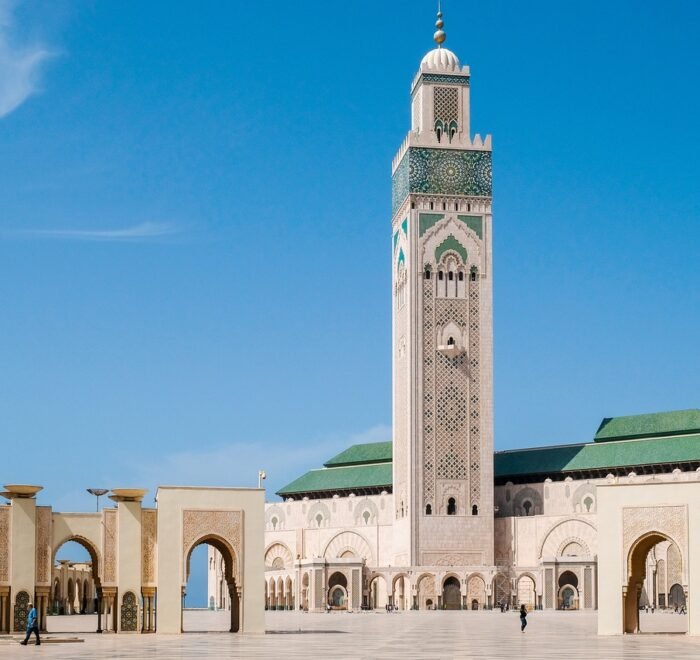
(597, 456)
(676, 422)
(351, 477)
(373, 452)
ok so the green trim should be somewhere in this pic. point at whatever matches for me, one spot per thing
(427, 220)
(597, 456)
(404, 227)
(675, 422)
(451, 243)
(475, 223)
(330, 480)
(372, 452)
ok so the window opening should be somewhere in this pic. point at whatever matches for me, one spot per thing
(428, 510)
(451, 507)
(475, 510)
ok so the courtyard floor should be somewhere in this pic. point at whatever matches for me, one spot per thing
(433, 635)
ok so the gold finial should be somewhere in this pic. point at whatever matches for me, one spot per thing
(439, 35)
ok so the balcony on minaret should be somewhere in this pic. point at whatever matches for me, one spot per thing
(451, 348)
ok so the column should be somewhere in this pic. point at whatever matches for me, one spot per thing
(234, 599)
(3, 610)
(100, 605)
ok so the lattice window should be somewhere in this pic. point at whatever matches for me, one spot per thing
(129, 613)
(475, 392)
(446, 105)
(661, 576)
(549, 588)
(21, 611)
(588, 588)
(451, 393)
(428, 387)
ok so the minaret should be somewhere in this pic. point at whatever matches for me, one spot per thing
(442, 325)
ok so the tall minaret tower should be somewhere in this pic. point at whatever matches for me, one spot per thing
(442, 326)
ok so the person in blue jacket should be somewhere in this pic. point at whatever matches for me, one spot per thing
(32, 626)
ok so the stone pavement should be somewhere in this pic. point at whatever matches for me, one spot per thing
(407, 635)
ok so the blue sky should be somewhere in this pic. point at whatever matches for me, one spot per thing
(195, 227)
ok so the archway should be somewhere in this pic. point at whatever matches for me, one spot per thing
(568, 591)
(76, 589)
(676, 597)
(451, 594)
(427, 596)
(305, 592)
(637, 560)
(378, 597)
(526, 592)
(400, 592)
(204, 620)
(476, 592)
(338, 591)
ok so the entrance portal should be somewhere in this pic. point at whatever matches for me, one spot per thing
(338, 591)
(451, 594)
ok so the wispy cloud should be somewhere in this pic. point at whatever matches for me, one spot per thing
(20, 65)
(140, 232)
(237, 464)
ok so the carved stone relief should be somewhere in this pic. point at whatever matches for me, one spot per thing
(451, 558)
(4, 543)
(149, 520)
(110, 546)
(43, 545)
(668, 520)
(227, 525)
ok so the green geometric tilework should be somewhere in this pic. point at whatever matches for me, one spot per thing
(427, 220)
(451, 243)
(404, 227)
(441, 172)
(474, 222)
(399, 185)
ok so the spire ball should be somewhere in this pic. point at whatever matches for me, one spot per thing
(439, 35)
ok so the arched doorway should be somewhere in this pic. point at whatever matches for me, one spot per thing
(451, 594)
(637, 561)
(476, 592)
(526, 592)
(378, 597)
(400, 593)
(227, 620)
(338, 591)
(676, 597)
(568, 591)
(305, 592)
(427, 596)
(77, 589)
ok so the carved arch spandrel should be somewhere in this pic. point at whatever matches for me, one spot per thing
(200, 525)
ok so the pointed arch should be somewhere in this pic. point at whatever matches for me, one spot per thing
(345, 541)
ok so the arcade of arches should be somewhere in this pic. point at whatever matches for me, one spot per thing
(138, 557)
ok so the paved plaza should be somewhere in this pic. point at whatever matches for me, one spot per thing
(435, 635)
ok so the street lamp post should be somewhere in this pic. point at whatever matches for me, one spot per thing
(98, 492)
(261, 477)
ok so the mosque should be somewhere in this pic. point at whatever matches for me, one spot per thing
(434, 519)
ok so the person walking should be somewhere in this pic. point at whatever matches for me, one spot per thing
(523, 617)
(32, 626)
